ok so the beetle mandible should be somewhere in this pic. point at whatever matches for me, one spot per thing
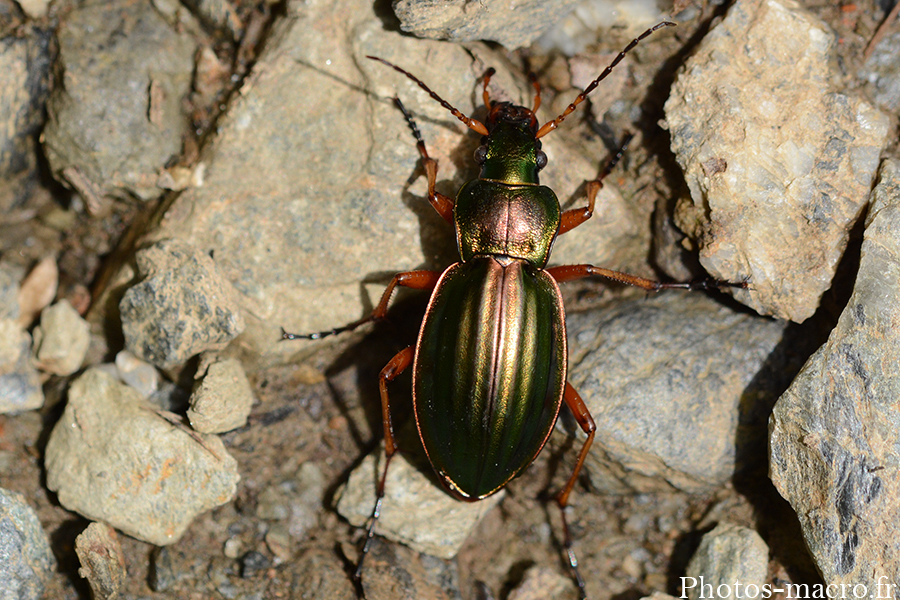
(489, 365)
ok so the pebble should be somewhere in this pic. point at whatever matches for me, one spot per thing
(62, 339)
(27, 561)
(113, 458)
(222, 399)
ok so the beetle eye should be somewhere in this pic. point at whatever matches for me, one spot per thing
(541, 159)
(480, 154)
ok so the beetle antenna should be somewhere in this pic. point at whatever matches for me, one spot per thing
(472, 124)
(485, 95)
(551, 125)
(537, 90)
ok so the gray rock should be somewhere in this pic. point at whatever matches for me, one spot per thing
(513, 24)
(777, 159)
(136, 373)
(183, 306)
(416, 511)
(728, 556)
(20, 384)
(222, 400)
(117, 116)
(24, 73)
(316, 574)
(882, 73)
(834, 434)
(9, 293)
(113, 458)
(396, 573)
(62, 339)
(27, 559)
(102, 561)
(589, 22)
(679, 387)
(297, 501)
(307, 227)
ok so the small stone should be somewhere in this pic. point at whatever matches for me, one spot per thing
(62, 339)
(252, 563)
(9, 293)
(20, 384)
(778, 174)
(37, 290)
(393, 572)
(272, 504)
(222, 400)
(416, 511)
(512, 24)
(728, 556)
(112, 458)
(27, 560)
(102, 561)
(24, 76)
(183, 306)
(232, 548)
(278, 541)
(317, 575)
(540, 583)
(140, 375)
(35, 9)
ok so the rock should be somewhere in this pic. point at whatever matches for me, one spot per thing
(507, 22)
(590, 21)
(117, 117)
(140, 375)
(679, 387)
(316, 574)
(112, 458)
(834, 433)
(20, 385)
(416, 511)
(297, 501)
(540, 583)
(882, 73)
(728, 556)
(9, 293)
(222, 399)
(102, 561)
(27, 560)
(396, 573)
(308, 228)
(658, 596)
(24, 74)
(183, 306)
(37, 290)
(62, 339)
(777, 159)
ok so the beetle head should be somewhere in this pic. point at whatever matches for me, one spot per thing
(510, 152)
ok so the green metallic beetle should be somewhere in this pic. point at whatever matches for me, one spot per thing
(489, 365)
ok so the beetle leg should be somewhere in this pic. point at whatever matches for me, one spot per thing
(395, 366)
(441, 203)
(572, 272)
(417, 280)
(574, 217)
(584, 419)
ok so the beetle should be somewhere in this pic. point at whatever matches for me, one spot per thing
(490, 362)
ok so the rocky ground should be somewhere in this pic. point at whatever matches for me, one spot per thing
(180, 181)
